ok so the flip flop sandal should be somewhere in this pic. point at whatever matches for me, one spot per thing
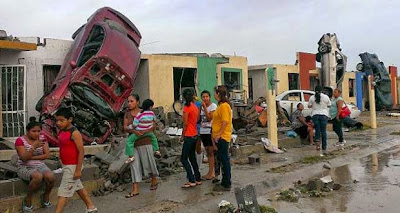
(131, 195)
(198, 183)
(188, 185)
(154, 187)
(206, 178)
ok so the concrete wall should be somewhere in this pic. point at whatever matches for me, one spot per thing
(345, 88)
(141, 84)
(259, 78)
(53, 53)
(282, 74)
(237, 62)
(161, 77)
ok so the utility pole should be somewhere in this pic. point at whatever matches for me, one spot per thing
(372, 109)
(272, 118)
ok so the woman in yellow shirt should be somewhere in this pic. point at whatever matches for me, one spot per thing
(221, 135)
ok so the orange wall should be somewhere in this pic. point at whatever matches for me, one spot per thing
(306, 62)
(393, 76)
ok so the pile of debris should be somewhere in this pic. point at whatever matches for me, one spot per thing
(314, 188)
(116, 172)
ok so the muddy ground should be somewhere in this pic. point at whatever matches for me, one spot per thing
(279, 171)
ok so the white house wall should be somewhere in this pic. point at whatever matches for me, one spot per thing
(53, 53)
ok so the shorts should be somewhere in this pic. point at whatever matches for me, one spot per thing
(68, 185)
(25, 172)
(206, 139)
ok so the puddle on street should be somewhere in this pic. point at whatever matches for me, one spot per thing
(371, 184)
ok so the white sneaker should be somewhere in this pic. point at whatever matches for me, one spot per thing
(338, 144)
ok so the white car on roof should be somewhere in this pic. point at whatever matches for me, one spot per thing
(288, 100)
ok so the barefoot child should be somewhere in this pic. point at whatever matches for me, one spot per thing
(143, 122)
(71, 154)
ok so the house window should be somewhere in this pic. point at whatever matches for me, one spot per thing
(232, 80)
(293, 81)
(352, 87)
(50, 73)
(184, 78)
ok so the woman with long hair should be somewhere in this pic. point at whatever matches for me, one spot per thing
(221, 135)
(144, 163)
(206, 116)
(189, 137)
(320, 113)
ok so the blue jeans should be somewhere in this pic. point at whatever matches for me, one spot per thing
(337, 127)
(189, 154)
(320, 122)
(223, 158)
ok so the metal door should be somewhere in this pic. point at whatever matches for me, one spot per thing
(13, 100)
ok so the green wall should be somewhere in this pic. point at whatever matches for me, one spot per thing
(207, 74)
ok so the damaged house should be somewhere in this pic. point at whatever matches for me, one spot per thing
(163, 77)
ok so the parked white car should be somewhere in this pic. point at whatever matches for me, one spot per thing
(289, 99)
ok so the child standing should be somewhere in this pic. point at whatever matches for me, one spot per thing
(71, 154)
(143, 122)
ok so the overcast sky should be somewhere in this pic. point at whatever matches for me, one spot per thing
(265, 31)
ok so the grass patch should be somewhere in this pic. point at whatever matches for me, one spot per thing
(395, 133)
(289, 195)
(267, 209)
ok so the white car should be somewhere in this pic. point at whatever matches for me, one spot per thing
(288, 100)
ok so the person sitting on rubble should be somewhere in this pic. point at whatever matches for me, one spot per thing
(301, 125)
(32, 149)
(144, 164)
(206, 115)
(144, 121)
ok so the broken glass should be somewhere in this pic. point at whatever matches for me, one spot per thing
(92, 45)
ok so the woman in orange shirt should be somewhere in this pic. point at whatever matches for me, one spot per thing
(221, 135)
(189, 137)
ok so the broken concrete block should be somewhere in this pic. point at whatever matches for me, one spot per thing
(254, 159)
(105, 158)
(119, 165)
(52, 164)
(169, 162)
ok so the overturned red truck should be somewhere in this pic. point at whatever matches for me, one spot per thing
(96, 77)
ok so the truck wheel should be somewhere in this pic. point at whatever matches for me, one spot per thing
(323, 48)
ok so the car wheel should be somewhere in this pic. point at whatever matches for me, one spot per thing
(318, 57)
(360, 66)
(324, 48)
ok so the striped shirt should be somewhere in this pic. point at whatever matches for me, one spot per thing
(22, 141)
(144, 121)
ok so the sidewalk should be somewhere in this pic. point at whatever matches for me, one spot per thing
(289, 167)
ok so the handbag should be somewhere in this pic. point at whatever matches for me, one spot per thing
(345, 111)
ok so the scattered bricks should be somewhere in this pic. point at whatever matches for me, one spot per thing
(254, 159)
(169, 162)
(6, 188)
(315, 185)
(173, 142)
(105, 158)
(164, 152)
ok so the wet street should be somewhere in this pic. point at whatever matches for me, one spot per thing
(370, 184)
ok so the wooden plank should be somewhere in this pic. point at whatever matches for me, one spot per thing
(5, 155)
(17, 45)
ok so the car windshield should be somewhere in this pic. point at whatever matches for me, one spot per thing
(92, 44)
(96, 102)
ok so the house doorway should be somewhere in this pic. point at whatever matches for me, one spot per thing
(184, 78)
